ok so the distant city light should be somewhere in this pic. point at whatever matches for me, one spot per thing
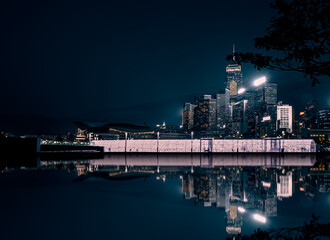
(259, 81)
(259, 218)
(266, 118)
(241, 209)
(241, 90)
(266, 184)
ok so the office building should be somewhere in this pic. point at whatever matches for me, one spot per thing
(284, 185)
(324, 119)
(221, 109)
(188, 116)
(266, 93)
(240, 118)
(233, 81)
(205, 113)
(284, 118)
(267, 127)
(234, 77)
(310, 116)
(270, 93)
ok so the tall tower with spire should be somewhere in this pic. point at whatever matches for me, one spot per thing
(233, 81)
(234, 76)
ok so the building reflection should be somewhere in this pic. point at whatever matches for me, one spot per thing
(237, 184)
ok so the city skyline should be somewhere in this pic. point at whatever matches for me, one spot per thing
(244, 111)
(164, 119)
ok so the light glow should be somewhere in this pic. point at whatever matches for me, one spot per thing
(266, 118)
(259, 81)
(241, 209)
(259, 218)
(266, 184)
(241, 90)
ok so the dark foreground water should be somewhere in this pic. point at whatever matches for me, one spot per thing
(162, 197)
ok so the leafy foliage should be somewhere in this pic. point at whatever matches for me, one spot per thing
(296, 40)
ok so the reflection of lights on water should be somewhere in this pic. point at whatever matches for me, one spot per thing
(162, 177)
(259, 218)
(241, 90)
(241, 209)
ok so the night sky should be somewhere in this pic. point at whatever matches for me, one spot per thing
(126, 61)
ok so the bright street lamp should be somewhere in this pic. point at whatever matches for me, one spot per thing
(259, 81)
(259, 218)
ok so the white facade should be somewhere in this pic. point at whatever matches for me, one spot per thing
(207, 145)
(284, 116)
(284, 186)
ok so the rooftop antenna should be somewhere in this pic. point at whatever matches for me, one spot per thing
(234, 52)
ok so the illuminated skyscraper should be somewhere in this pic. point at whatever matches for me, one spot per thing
(284, 185)
(324, 119)
(234, 76)
(188, 116)
(233, 80)
(284, 117)
(270, 93)
(266, 93)
(205, 113)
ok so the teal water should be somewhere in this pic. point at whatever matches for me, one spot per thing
(94, 199)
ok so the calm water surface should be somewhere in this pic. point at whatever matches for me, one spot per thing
(162, 196)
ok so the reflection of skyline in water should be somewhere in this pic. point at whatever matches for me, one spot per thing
(223, 182)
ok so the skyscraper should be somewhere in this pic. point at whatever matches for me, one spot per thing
(233, 80)
(310, 116)
(284, 185)
(270, 93)
(266, 93)
(250, 112)
(284, 117)
(221, 109)
(188, 116)
(240, 120)
(234, 76)
(205, 113)
(324, 119)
